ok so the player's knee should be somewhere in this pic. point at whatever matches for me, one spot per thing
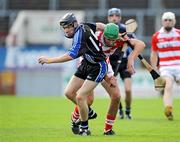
(168, 87)
(115, 97)
(69, 94)
(80, 98)
(128, 91)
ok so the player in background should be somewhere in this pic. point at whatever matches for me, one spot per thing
(166, 47)
(114, 16)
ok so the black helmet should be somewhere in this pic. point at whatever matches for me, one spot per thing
(67, 19)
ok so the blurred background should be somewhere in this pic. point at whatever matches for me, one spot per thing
(29, 28)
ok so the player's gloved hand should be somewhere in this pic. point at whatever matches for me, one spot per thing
(44, 60)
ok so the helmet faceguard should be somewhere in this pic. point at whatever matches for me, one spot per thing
(68, 20)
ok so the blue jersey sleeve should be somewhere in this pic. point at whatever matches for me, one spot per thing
(122, 28)
(76, 45)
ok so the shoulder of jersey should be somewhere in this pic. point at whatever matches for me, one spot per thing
(178, 30)
(122, 25)
(156, 34)
(98, 34)
(122, 28)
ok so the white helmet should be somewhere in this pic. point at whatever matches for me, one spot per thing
(169, 15)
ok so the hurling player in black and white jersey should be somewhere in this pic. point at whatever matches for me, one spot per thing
(92, 70)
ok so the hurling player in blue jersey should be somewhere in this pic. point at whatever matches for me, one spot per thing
(114, 16)
(92, 69)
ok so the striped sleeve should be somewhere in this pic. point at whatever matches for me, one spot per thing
(74, 51)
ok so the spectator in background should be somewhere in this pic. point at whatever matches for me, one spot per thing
(166, 47)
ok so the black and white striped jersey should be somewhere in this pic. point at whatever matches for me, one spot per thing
(86, 44)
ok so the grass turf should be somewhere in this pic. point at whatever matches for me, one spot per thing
(47, 119)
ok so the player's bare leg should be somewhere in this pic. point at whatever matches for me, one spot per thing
(92, 114)
(70, 92)
(81, 98)
(128, 97)
(73, 86)
(75, 116)
(167, 98)
(114, 94)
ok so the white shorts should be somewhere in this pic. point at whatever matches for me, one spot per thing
(173, 72)
(110, 72)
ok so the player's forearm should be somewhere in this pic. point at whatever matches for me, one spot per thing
(138, 48)
(154, 60)
(60, 59)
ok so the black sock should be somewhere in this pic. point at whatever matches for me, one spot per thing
(84, 125)
(128, 111)
(90, 111)
(120, 106)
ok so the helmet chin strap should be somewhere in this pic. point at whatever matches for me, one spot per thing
(68, 36)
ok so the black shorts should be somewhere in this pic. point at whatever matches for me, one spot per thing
(122, 68)
(93, 72)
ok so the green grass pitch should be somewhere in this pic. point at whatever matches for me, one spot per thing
(47, 119)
